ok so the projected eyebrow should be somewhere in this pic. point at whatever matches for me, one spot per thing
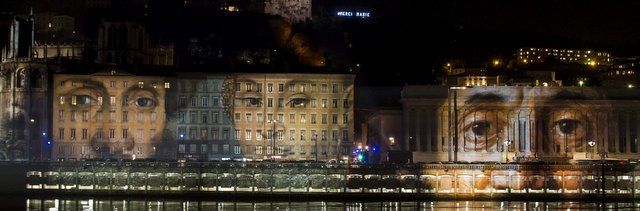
(485, 98)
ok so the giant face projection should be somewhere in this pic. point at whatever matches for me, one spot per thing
(108, 117)
(506, 123)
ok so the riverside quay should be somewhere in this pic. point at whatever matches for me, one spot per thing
(607, 179)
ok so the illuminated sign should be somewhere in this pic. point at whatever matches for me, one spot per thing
(356, 14)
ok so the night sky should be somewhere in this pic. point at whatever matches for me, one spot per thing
(407, 41)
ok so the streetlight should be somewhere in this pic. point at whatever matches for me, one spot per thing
(506, 149)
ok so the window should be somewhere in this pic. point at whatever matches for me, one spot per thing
(345, 135)
(194, 117)
(193, 133)
(215, 101)
(112, 100)
(215, 133)
(237, 135)
(85, 116)
(194, 101)
(292, 87)
(216, 114)
(302, 135)
(61, 115)
(334, 103)
(60, 133)
(205, 101)
(98, 132)
(292, 118)
(313, 103)
(73, 115)
(258, 150)
(269, 102)
(292, 135)
(303, 87)
(181, 116)
(204, 117)
(303, 118)
(237, 87)
(154, 116)
(334, 135)
(324, 118)
(280, 102)
(324, 103)
(259, 87)
(125, 84)
(258, 135)
(225, 149)
(236, 116)
(140, 117)
(313, 118)
(345, 103)
(334, 118)
(112, 116)
(324, 135)
(247, 135)
(269, 87)
(167, 85)
(280, 135)
(112, 84)
(181, 148)
(203, 148)
(280, 117)
(99, 116)
(141, 84)
(61, 100)
(100, 101)
(280, 87)
(193, 148)
(72, 134)
(204, 135)
(139, 134)
(249, 87)
(345, 118)
(125, 133)
(334, 88)
(324, 88)
(259, 117)
(247, 117)
(269, 117)
(125, 116)
(314, 87)
(182, 100)
(112, 133)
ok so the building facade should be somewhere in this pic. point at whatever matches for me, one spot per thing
(110, 114)
(293, 116)
(586, 57)
(500, 124)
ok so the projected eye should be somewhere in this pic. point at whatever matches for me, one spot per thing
(145, 102)
(80, 99)
(565, 127)
(252, 101)
(298, 102)
(480, 129)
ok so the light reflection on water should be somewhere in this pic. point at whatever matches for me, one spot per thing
(186, 205)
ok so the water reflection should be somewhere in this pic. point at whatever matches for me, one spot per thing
(187, 205)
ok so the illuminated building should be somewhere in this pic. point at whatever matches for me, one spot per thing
(109, 114)
(291, 116)
(541, 55)
(500, 124)
(203, 128)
